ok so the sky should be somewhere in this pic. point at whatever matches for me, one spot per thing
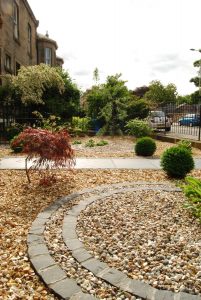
(144, 40)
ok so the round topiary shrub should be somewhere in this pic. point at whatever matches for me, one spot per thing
(177, 161)
(145, 146)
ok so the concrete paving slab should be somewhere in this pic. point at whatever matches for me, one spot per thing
(18, 163)
(138, 163)
(94, 163)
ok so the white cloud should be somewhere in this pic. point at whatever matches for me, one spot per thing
(142, 39)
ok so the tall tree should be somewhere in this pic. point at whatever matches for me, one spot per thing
(196, 96)
(96, 76)
(159, 94)
(47, 89)
(140, 91)
(108, 103)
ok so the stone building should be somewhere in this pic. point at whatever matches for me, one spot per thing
(20, 44)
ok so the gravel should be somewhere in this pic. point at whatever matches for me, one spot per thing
(147, 235)
(20, 203)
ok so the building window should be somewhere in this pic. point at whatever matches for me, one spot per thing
(16, 20)
(17, 67)
(48, 56)
(8, 63)
(29, 38)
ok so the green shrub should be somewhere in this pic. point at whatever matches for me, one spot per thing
(186, 144)
(102, 143)
(90, 143)
(138, 128)
(177, 161)
(80, 126)
(15, 145)
(13, 130)
(145, 146)
(192, 191)
(76, 142)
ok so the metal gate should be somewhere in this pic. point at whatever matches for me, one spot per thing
(185, 120)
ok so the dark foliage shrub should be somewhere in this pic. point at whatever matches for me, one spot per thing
(48, 149)
(13, 130)
(16, 145)
(145, 146)
(177, 161)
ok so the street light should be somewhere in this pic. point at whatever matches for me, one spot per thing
(199, 72)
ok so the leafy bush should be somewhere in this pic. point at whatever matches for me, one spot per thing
(16, 145)
(192, 191)
(80, 125)
(50, 123)
(177, 161)
(76, 142)
(102, 143)
(186, 144)
(138, 128)
(13, 130)
(49, 150)
(90, 143)
(145, 146)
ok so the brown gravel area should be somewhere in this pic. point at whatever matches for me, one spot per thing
(117, 147)
(147, 235)
(19, 205)
(88, 282)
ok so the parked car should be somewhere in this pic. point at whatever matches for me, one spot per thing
(158, 120)
(190, 120)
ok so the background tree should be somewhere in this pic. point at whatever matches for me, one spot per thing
(46, 89)
(107, 104)
(32, 81)
(195, 97)
(140, 91)
(137, 108)
(159, 94)
(65, 104)
(96, 76)
(184, 99)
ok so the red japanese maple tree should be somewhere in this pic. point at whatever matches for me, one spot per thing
(47, 149)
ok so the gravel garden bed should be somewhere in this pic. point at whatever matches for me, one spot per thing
(116, 147)
(21, 202)
(148, 236)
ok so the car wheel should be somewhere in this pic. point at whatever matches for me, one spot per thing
(179, 123)
(191, 124)
(167, 128)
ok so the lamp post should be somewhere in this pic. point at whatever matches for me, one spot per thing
(199, 73)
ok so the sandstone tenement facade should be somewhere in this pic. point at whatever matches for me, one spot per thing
(20, 44)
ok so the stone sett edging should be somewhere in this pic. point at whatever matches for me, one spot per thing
(53, 275)
(46, 268)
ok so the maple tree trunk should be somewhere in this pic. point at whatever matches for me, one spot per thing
(27, 171)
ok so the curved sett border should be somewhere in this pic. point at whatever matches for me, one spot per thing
(56, 279)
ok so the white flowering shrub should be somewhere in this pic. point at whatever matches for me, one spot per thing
(32, 81)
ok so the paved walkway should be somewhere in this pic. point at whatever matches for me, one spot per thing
(17, 163)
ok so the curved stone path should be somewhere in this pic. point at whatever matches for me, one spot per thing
(55, 277)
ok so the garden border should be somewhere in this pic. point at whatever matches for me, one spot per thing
(55, 278)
